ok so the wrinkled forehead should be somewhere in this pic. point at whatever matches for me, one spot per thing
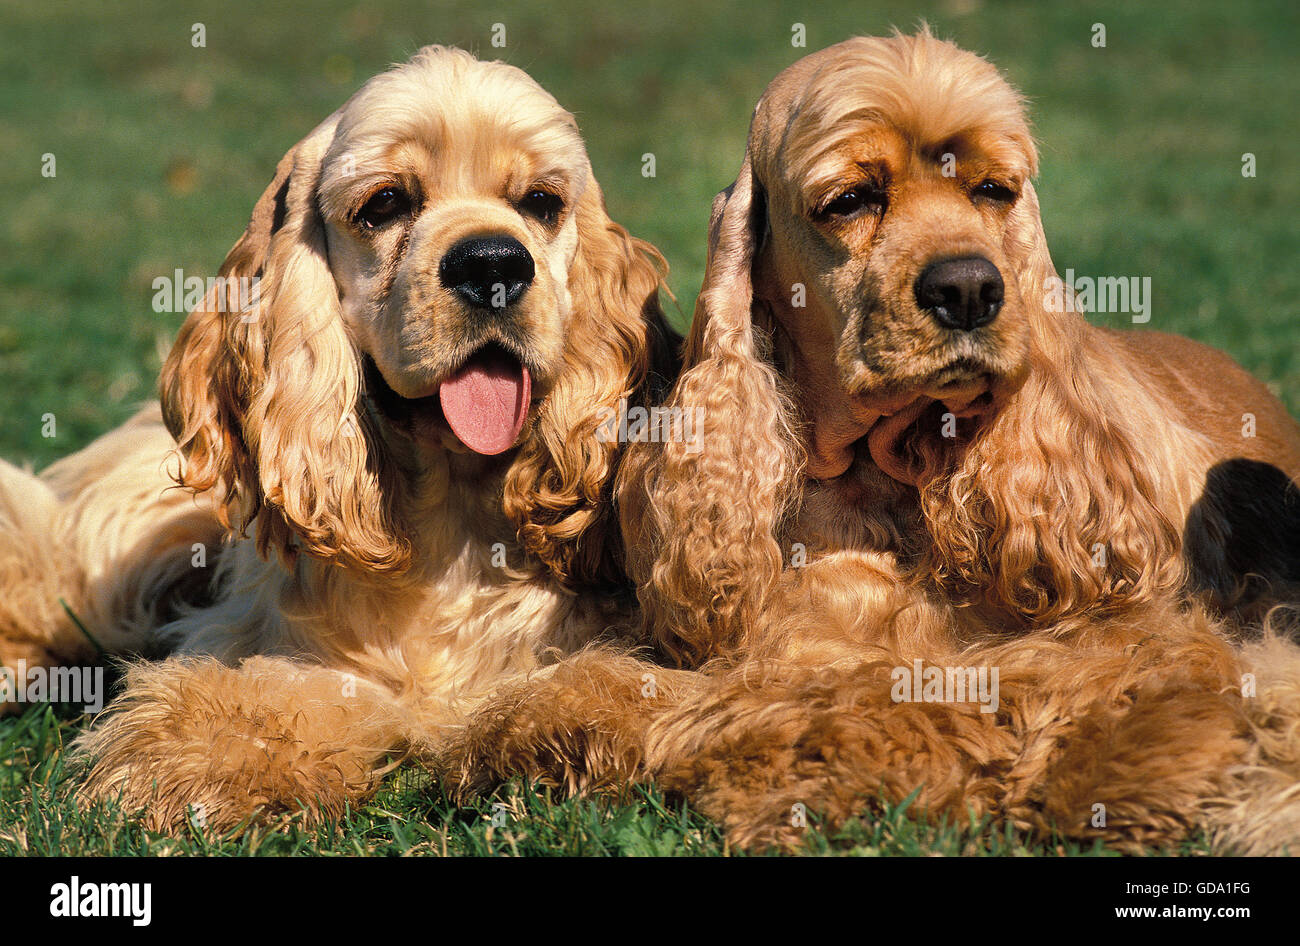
(452, 119)
(889, 99)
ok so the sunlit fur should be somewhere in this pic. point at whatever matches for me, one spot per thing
(814, 543)
(376, 577)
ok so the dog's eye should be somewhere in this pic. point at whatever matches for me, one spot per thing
(543, 205)
(855, 201)
(992, 190)
(384, 206)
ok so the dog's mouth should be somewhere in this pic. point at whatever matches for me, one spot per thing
(913, 443)
(486, 400)
(481, 406)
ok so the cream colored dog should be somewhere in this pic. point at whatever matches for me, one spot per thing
(394, 483)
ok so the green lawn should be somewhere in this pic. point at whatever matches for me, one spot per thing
(161, 149)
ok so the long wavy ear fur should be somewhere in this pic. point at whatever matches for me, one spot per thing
(261, 389)
(700, 519)
(619, 349)
(1058, 507)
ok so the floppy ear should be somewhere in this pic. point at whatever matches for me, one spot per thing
(700, 518)
(261, 389)
(558, 491)
(1066, 503)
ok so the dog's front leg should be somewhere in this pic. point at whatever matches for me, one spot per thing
(193, 738)
(578, 725)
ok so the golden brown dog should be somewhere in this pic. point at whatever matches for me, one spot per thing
(400, 434)
(918, 465)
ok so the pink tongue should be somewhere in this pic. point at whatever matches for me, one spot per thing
(485, 403)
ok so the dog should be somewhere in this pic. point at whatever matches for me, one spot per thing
(916, 471)
(394, 496)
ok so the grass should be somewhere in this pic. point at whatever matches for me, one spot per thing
(161, 149)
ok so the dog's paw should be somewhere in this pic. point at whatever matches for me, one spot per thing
(579, 726)
(196, 742)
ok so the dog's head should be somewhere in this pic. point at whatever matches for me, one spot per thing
(431, 271)
(877, 294)
(893, 229)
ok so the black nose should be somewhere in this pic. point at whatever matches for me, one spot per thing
(962, 293)
(491, 272)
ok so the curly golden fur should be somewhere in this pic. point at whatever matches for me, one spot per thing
(343, 577)
(996, 485)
